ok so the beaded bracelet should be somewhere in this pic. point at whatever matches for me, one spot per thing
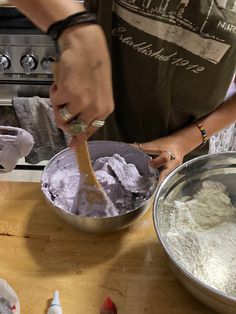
(204, 134)
(55, 30)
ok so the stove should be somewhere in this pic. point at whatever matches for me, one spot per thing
(26, 55)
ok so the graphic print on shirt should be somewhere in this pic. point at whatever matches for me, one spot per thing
(168, 20)
(227, 4)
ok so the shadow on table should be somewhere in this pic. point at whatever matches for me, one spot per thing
(58, 247)
(141, 281)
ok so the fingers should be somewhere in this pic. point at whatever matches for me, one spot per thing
(164, 172)
(166, 163)
(163, 158)
(80, 124)
(80, 100)
(68, 107)
(81, 137)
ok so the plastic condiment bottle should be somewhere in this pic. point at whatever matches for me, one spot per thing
(55, 307)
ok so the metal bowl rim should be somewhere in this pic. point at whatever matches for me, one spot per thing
(69, 149)
(166, 248)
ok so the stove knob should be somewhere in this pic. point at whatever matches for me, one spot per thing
(5, 62)
(29, 63)
(46, 64)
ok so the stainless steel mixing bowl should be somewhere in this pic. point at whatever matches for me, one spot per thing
(185, 180)
(99, 149)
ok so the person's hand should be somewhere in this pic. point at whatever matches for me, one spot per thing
(167, 154)
(83, 89)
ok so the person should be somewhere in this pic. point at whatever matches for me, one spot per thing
(157, 79)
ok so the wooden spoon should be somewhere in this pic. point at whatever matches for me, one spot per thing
(91, 191)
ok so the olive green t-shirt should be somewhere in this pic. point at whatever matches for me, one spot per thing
(172, 63)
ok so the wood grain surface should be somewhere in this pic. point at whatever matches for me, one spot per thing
(40, 253)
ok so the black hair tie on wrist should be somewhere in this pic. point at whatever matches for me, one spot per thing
(55, 30)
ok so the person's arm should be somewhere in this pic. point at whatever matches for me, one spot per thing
(45, 12)
(214, 122)
(185, 140)
(84, 85)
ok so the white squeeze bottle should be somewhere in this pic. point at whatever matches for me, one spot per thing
(55, 307)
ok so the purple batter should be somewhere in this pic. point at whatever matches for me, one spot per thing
(122, 182)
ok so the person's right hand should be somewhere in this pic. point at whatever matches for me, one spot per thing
(84, 85)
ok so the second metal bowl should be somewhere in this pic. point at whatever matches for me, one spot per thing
(185, 181)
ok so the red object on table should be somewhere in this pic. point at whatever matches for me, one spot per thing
(108, 307)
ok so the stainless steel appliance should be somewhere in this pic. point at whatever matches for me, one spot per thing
(26, 54)
(25, 57)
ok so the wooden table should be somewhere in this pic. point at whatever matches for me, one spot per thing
(41, 253)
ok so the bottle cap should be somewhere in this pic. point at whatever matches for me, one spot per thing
(108, 307)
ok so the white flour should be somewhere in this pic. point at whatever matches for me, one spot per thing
(202, 236)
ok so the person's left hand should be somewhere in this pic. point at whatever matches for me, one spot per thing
(166, 152)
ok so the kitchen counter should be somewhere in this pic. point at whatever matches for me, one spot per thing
(41, 253)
